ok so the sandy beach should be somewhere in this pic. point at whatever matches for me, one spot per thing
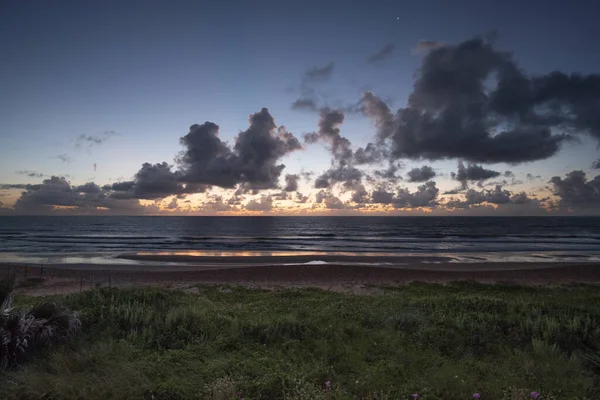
(37, 280)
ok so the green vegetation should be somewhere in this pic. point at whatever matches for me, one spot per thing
(23, 333)
(442, 342)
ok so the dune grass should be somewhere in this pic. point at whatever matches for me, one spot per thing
(442, 342)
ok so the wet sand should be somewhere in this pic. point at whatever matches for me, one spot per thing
(338, 277)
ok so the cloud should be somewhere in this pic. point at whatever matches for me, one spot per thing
(329, 200)
(360, 194)
(390, 173)
(252, 161)
(300, 198)
(531, 177)
(44, 198)
(473, 172)
(172, 204)
(305, 104)
(348, 176)
(264, 203)
(329, 132)
(215, 205)
(423, 45)
(89, 188)
(509, 174)
(89, 141)
(153, 181)
(384, 53)
(31, 174)
(422, 174)
(280, 195)
(382, 196)
(65, 158)
(342, 169)
(452, 112)
(596, 164)
(576, 191)
(291, 182)
(425, 196)
(370, 154)
(498, 196)
(319, 73)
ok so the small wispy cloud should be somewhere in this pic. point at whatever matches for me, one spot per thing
(31, 174)
(385, 52)
(65, 158)
(89, 141)
(424, 46)
(319, 73)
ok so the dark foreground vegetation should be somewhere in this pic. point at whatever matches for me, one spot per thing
(440, 342)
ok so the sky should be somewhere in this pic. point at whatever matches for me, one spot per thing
(300, 107)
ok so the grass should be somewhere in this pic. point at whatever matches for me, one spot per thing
(443, 342)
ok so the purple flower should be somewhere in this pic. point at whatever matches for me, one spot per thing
(534, 395)
(415, 395)
(476, 396)
(328, 384)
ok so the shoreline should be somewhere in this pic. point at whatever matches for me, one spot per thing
(40, 281)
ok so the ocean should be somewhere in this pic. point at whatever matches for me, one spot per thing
(82, 239)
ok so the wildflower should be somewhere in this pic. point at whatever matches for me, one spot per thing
(476, 396)
(415, 395)
(534, 395)
(327, 384)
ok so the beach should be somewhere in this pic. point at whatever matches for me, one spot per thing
(48, 280)
(335, 253)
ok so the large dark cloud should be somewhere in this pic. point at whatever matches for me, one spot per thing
(422, 174)
(576, 191)
(473, 172)
(259, 149)
(384, 53)
(252, 163)
(253, 159)
(453, 113)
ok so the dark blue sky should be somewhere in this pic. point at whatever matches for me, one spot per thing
(147, 70)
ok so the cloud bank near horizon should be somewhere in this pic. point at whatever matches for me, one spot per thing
(470, 103)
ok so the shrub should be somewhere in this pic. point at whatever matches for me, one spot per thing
(24, 332)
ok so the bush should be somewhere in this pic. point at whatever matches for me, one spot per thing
(24, 332)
